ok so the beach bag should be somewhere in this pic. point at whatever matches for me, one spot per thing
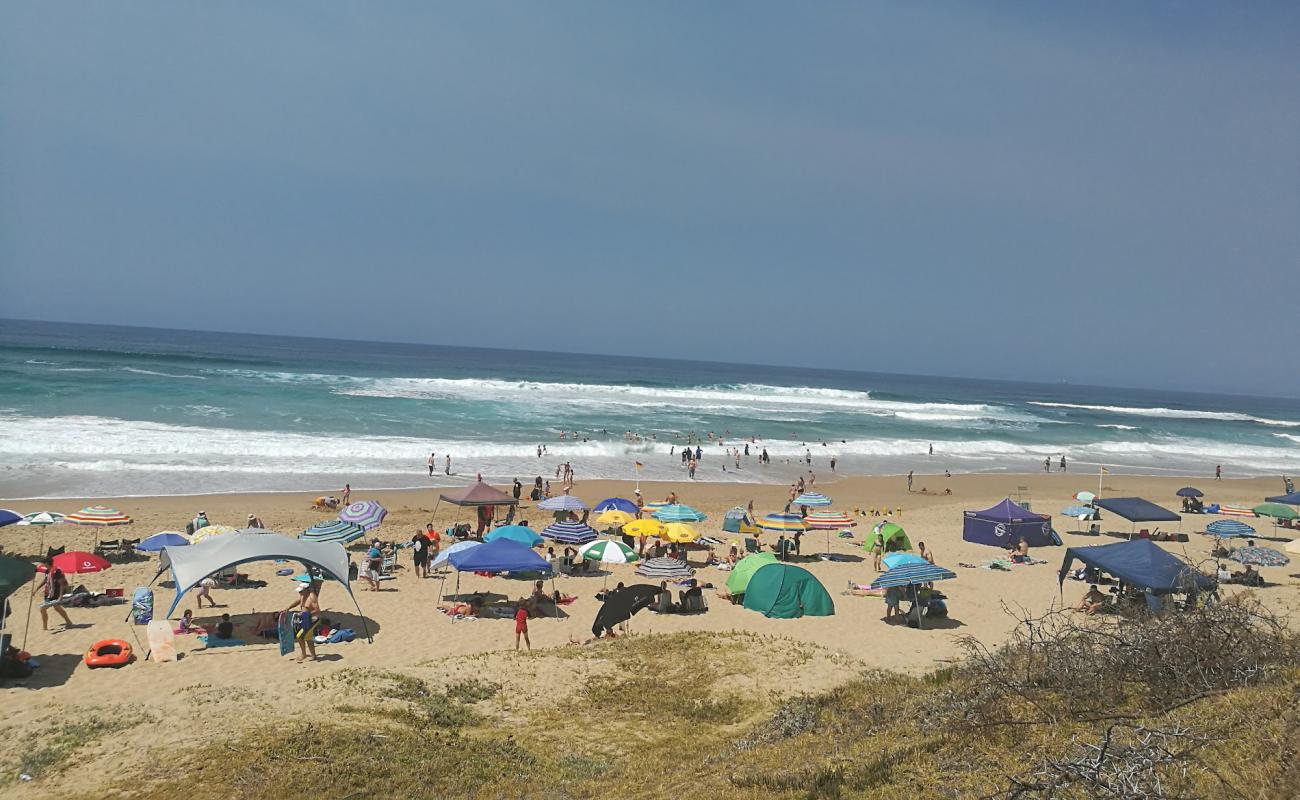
(142, 605)
(342, 635)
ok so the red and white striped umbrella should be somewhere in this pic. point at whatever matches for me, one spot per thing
(829, 520)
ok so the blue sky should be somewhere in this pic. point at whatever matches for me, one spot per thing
(1104, 192)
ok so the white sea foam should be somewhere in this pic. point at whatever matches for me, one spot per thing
(1120, 427)
(1179, 413)
(1289, 436)
(155, 373)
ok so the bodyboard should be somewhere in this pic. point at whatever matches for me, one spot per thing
(284, 630)
(162, 642)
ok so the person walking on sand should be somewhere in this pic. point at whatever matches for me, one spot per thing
(432, 461)
(447, 463)
(909, 480)
(521, 624)
(832, 463)
(1218, 472)
(55, 583)
(347, 494)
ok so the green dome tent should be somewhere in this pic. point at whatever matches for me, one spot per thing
(785, 591)
(745, 568)
(895, 538)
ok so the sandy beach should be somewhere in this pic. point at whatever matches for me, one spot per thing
(253, 681)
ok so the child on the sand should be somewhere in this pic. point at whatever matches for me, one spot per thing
(521, 624)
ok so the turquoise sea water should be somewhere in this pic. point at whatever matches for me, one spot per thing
(93, 410)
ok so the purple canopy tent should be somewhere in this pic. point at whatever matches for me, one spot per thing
(1005, 523)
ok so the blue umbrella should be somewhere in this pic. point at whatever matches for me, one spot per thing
(678, 513)
(893, 560)
(160, 540)
(1228, 528)
(8, 517)
(615, 504)
(515, 533)
(1190, 491)
(811, 499)
(571, 533)
(912, 575)
(564, 502)
(336, 530)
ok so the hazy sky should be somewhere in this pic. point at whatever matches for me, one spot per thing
(1100, 192)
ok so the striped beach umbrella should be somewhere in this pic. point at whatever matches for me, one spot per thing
(829, 520)
(651, 508)
(209, 531)
(782, 523)
(335, 530)
(616, 504)
(812, 500)
(614, 518)
(519, 534)
(367, 514)
(912, 575)
(644, 527)
(678, 513)
(664, 569)
(563, 502)
(1260, 557)
(571, 533)
(680, 532)
(42, 518)
(98, 516)
(455, 548)
(8, 517)
(608, 551)
(708, 541)
(1228, 528)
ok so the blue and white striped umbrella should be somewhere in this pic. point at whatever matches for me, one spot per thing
(912, 575)
(455, 548)
(708, 541)
(336, 530)
(679, 513)
(1228, 528)
(367, 514)
(564, 502)
(811, 499)
(571, 533)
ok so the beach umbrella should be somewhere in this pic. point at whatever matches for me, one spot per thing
(782, 523)
(570, 533)
(258, 531)
(78, 561)
(1085, 497)
(515, 533)
(160, 540)
(1275, 510)
(335, 530)
(644, 527)
(912, 575)
(14, 574)
(614, 518)
(209, 531)
(8, 517)
(829, 520)
(607, 551)
(678, 513)
(98, 516)
(1082, 512)
(367, 514)
(563, 502)
(891, 560)
(812, 500)
(621, 604)
(42, 518)
(707, 541)
(1190, 491)
(444, 554)
(745, 568)
(651, 508)
(680, 532)
(1228, 528)
(616, 504)
(664, 569)
(1260, 557)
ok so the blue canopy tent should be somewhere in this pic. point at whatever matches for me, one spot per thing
(1292, 499)
(1140, 563)
(1136, 509)
(1004, 524)
(502, 555)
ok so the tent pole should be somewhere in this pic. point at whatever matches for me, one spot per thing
(916, 603)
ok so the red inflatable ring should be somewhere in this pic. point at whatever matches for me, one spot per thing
(108, 653)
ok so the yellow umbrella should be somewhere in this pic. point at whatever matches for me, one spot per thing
(644, 527)
(614, 517)
(679, 532)
(208, 531)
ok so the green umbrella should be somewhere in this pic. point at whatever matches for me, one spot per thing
(14, 574)
(607, 551)
(745, 568)
(1275, 510)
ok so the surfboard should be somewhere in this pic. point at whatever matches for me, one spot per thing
(285, 631)
(162, 642)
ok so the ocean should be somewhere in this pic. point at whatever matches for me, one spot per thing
(107, 411)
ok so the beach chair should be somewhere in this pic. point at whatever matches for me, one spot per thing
(752, 546)
(387, 567)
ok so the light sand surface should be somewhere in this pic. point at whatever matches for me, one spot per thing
(248, 683)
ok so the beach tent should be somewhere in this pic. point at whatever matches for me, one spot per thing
(785, 591)
(477, 494)
(1136, 509)
(738, 520)
(1292, 499)
(1005, 523)
(191, 564)
(502, 555)
(1141, 563)
(745, 568)
(892, 536)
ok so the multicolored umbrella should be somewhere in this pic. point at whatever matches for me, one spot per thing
(1260, 557)
(680, 532)
(515, 533)
(829, 520)
(1275, 510)
(571, 533)
(209, 531)
(651, 508)
(664, 569)
(99, 516)
(811, 499)
(367, 514)
(335, 530)
(912, 575)
(782, 522)
(78, 561)
(615, 518)
(608, 552)
(678, 513)
(616, 504)
(8, 517)
(644, 527)
(42, 518)
(1189, 491)
(563, 502)
(1228, 528)
(160, 540)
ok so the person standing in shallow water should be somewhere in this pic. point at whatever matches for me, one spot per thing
(447, 463)
(432, 462)
(1062, 462)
